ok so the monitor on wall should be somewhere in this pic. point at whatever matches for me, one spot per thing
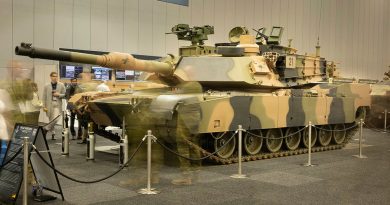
(101, 73)
(124, 75)
(127, 75)
(70, 71)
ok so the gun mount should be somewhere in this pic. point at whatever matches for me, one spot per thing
(197, 35)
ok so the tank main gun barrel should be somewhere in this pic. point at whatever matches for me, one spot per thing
(114, 60)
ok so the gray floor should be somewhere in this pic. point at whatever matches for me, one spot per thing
(339, 178)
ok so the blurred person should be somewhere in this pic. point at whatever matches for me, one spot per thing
(83, 117)
(102, 87)
(70, 91)
(33, 106)
(188, 115)
(53, 94)
(19, 90)
(5, 110)
(86, 84)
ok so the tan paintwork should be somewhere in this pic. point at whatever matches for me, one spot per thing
(266, 106)
(219, 114)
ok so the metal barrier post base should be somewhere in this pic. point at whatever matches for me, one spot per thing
(148, 191)
(309, 165)
(239, 176)
(360, 156)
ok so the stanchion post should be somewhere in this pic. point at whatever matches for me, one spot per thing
(148, 189)
(124, 146)
(361, 156)
(385, 123)
(90, 142)
(25, 169)
(65, 135)
(123, 150)
(239, 175)
(308, 164)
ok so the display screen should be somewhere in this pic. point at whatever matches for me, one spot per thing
(70, 71)
(101, 73)
(129, 75)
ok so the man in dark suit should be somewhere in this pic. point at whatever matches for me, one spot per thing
(70, 91)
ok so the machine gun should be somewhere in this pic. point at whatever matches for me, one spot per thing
(196, 34)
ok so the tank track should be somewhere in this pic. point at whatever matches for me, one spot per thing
(282, 153)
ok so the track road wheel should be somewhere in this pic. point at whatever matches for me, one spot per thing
(324, 135)
(225, 151)
(292, 142)
(273, 139)
(339, 136)
(253, 143)
(305, 137)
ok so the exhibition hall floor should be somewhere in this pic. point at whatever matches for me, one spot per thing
(338, 178)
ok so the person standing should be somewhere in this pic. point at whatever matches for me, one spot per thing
(53, 94)
(70, 91)
(102, 87)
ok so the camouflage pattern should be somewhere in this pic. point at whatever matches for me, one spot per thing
(271, 92)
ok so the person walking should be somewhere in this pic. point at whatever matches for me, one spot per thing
(53, 94)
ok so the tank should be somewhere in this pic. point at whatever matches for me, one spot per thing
(380, 97)
(253, 81)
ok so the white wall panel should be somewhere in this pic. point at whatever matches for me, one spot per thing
(115, 25)
(239, 13)
(159, 28)
(209, 18)
(6, 48)
(275, 12)
(259, 20)
(43, 26)
(131, 26)
(219, 22)
(386, 23)
(354, 33)
(380, 44)
(355, 38)
(267, 11)
(284, 9)
(63, 24)
(23, 26)
(184, 17)
(145, 27)
(299, 23)
(197, 12)
(230, 15)
(249, 13)
(291, 23)
(172, 16)
(82, 24)
(99, 25)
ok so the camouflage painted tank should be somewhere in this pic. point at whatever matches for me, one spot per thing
(267, 88)
(380, 97)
